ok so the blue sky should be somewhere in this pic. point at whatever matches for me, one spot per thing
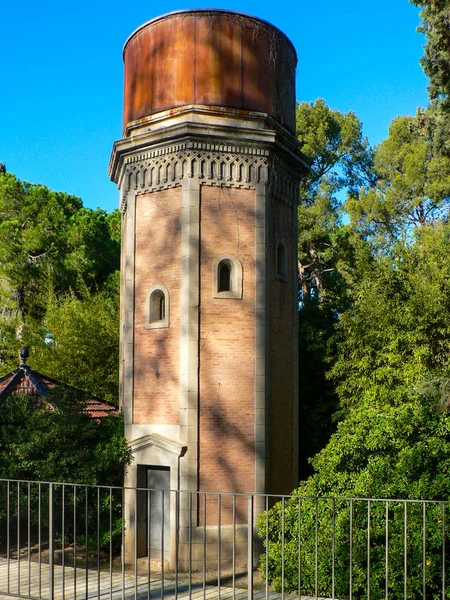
(62, 75)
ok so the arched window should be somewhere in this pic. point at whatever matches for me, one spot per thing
(157, 307)
(227, 277)
(281, 261)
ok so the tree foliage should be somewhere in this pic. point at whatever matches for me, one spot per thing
(341, 160)
(397, 331)
(391, 374)
(412, 186)
(436, 61)
(64, 444)
(32, 239)
(49, 236)
(436, 64)
(379, 451)
(78, 341)
(59, 289)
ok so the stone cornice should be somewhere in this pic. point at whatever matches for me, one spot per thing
(226, 150)
(213, 120)
(188, 136)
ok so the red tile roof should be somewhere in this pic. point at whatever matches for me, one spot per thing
(31, 383)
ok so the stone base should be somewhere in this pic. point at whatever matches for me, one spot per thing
(207, 548)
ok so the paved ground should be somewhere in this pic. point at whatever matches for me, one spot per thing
(70, 585)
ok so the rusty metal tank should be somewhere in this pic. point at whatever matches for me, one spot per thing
(213, 58)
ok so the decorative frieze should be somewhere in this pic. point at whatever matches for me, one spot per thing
(214, 164)
(284, 183)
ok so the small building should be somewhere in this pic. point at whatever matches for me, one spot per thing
(28, 382)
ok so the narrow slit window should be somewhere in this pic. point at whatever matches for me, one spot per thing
(162, 308)
(281, 261)
(224, 276)
(157, 306)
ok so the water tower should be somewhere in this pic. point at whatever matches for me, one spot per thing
(208, 169)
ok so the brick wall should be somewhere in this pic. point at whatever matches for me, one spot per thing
(157, 261)
(281, 331)
(226, 335)
(123, 248)
(227, 345)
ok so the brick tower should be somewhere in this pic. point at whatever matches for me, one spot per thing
(208, 170)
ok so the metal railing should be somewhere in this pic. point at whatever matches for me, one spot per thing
(61, 541)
